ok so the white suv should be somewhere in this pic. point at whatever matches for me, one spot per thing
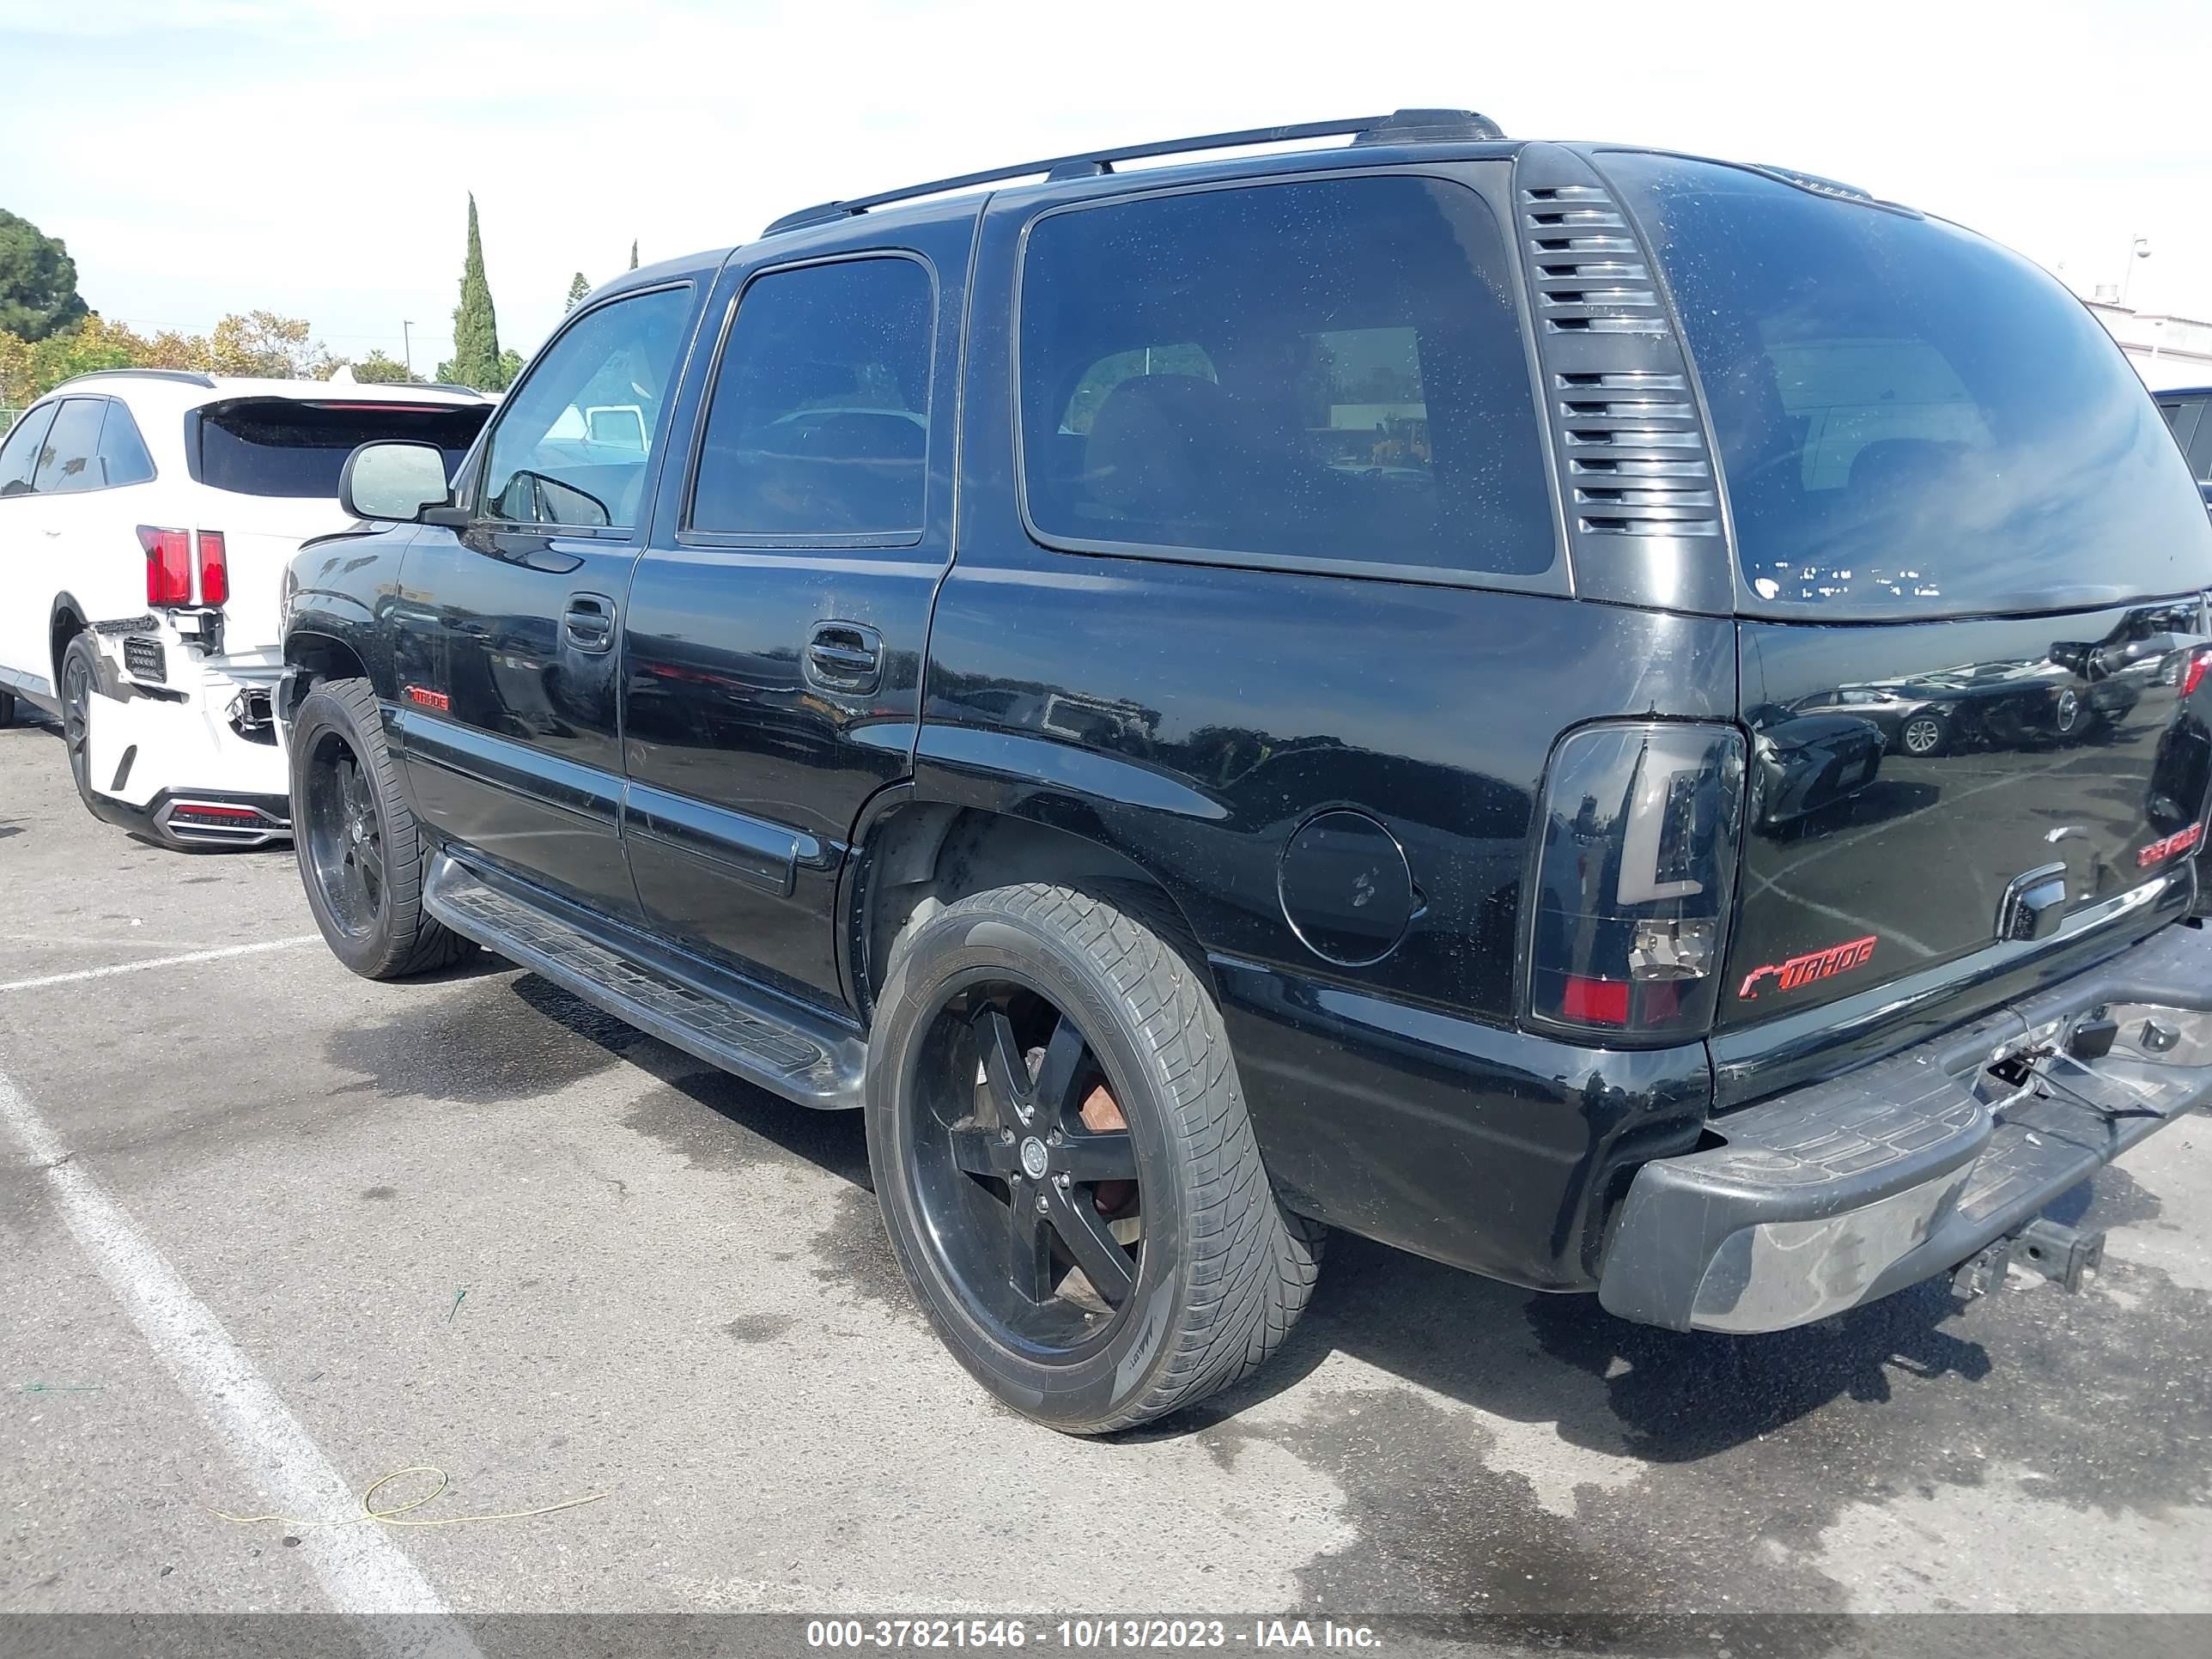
(146, 519)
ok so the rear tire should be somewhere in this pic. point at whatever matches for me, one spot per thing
(79, 689)
(1002, 1018)
(361, 855)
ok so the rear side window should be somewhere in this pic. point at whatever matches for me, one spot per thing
(123, 457)
(20, 451)
(283, 446)
(70, 459)
(819, 424)
(1912, 420)
(1325, 374)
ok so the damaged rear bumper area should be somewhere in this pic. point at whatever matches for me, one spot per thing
(1935, 1158)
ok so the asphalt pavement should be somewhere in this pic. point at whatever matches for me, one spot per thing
(269, 1231)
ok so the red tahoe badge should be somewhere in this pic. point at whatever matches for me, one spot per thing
(1814, 964)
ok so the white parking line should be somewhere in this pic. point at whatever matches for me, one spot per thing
(254, 949)
(361, 1570)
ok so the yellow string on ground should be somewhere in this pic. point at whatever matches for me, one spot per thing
(397, 1515)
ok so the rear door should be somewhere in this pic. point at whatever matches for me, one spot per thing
(511, 732)
(1971, 571)
(24, 556)
(777, 621)
(68, 548)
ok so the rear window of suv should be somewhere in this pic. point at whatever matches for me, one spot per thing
(283, 446)
(1912, 420)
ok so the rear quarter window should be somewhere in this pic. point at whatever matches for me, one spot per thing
(1912, 420)
(1320, 374)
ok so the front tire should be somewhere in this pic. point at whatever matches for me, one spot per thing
(360, 854)
(1066, 1168)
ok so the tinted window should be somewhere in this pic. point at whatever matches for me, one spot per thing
(123, 457)
(1328, 371)
(820, 417)
(573, 441)
(19, 453)
(1911, 418)
(280, 447)
(70, 462)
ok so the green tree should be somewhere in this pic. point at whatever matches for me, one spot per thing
(475, 359)
(633, 254)
(578, 288)
(377, 369)
(261, 342)
(37, 281)
(510, 370)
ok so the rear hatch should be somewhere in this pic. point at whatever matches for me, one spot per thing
(1972, 592)
(277, 461)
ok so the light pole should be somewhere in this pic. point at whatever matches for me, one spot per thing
(2138, 249)
(407, 346)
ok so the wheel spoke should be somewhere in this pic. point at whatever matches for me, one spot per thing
(1056, 1077)
(1095, 1250)
(371, 858)
(1029, 1246)
(1005, 1074)
(1098, 1157)
(982, 1151)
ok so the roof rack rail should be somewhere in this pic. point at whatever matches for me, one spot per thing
(1405, 126)
(184, 376)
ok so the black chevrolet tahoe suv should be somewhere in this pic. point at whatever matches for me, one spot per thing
(1625, 722)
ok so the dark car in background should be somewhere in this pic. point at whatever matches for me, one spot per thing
(2188, 411)
(1218, 701)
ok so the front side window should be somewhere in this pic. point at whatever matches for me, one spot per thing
(573, 441)
(819, 421)
(70, 461)
(1912, 421)
(20, 454)
(1330, 371)
(123, 457)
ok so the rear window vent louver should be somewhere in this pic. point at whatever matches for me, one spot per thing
(1642, 504)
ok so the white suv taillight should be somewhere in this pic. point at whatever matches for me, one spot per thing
(215, 567)
(168, 565)
(1635, 873)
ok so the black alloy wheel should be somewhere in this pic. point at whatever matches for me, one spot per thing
(1020, 1195)
(343, 835)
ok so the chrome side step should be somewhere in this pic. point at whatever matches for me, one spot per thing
(757, 1037)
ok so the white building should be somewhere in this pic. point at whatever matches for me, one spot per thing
(2166, 350)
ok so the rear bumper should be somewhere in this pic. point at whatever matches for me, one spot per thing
(202, 817)
(189, 757)
(1842, 1191)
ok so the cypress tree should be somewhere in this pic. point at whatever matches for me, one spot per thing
(633, 254)
(578, 288)
(476, 361)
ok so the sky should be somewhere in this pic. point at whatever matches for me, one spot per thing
(314, 157)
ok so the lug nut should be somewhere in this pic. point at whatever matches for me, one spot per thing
(1043, 1206)
(1060, 1181)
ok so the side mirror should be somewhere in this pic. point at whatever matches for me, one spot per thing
(396, 483)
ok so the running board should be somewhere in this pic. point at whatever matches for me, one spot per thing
(759, 1038)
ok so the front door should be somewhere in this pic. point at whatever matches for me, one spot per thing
(777, 620)
(510, 629)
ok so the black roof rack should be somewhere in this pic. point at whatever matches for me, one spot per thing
(1405, 126)
(185, 376)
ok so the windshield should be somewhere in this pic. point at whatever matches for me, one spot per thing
(1913, 421)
